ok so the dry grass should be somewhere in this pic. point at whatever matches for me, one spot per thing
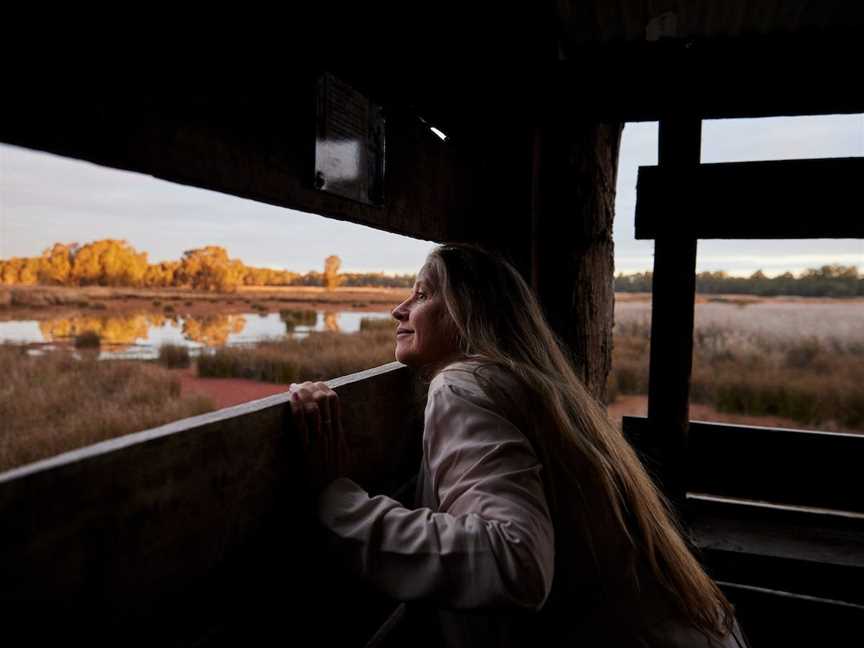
(54, 403)
(318, 356)
(814, 380)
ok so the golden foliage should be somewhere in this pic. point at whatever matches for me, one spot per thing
(331, 271)
(109, 262)
(213, 330)
(121, 330)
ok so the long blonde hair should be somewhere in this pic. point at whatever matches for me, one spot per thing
(500, 322)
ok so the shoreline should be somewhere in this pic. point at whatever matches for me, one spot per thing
(47, 302)
(40, 303)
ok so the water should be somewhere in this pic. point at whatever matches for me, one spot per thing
(140, 335)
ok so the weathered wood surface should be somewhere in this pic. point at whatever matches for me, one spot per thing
(785, 199)
(199, 529)
(574, 169)
(252, 143)
(796, 467)
(797, 550)
(791, 546)
(772, 618)
(672, 312)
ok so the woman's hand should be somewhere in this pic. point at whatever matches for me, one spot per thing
(317, 419)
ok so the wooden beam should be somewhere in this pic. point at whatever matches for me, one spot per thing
(672, 309)
(199, 527)
(253, 143)
(795, 467)
(789, 199)
(726, 77)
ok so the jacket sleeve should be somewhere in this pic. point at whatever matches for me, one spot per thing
(490, 544)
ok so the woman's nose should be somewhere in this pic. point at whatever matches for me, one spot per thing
(398, 313)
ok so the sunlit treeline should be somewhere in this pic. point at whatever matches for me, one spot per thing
(112, 262)
(827, 281)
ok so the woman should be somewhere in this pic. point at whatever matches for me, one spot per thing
(535, 522)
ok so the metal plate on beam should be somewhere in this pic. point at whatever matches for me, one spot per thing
(349, 143)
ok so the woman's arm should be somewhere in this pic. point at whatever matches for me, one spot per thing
(490, 544)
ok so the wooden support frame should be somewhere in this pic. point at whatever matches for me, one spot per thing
(788, 199)
(672, 311)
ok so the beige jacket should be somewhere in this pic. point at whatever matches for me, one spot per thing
(476, 558)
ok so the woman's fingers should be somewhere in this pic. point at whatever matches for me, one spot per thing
(297, 411)
(323, 396)
(304, 409)
(316, 411)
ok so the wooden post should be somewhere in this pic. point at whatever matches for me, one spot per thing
(575, 164)
(672, 304)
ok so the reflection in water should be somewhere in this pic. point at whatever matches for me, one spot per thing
(294, 318)
(120, 330)
(209, 330)
(212, 330)
(140, 335)
(331, 321)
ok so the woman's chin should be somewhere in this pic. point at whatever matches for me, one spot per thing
(406, 359)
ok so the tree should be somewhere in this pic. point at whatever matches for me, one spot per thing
(109, 262)
(56, 264)
(331, 271)
(209, 268)
(161, 275)
(9, 271)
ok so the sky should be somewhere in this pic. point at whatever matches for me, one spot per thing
(46, 198)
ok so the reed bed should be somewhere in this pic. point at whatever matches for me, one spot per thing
(794, 361)
(56, 402)
(318, 356)
(174, 356)
(814, 380)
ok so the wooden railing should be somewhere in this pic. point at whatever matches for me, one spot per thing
(778, 519)
(200, 532)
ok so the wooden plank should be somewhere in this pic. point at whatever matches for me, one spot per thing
(753, 200)
(763, 529)
(672, 309)
(796, 550)
(817, 469)
(776, 618)
(199, 528)
(782, 466)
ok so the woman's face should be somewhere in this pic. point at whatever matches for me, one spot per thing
(426, 333)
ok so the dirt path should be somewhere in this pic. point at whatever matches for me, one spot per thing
(226, 392)
(638, 406)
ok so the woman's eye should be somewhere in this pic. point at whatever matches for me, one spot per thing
(421, 295)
